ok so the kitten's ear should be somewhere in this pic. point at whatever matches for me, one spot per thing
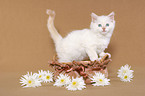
(111, 15)
(94, 17)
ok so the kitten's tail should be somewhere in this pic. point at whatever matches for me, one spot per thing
(50, 25)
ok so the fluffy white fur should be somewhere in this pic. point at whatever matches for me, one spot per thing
(80, 44)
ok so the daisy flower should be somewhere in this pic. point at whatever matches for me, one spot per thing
(125, 74)
(48, 76)
(127, 77)
(99, 80)
(30, 80)
(124, 69)
(63, 80)
(76, 84)
(41, 75)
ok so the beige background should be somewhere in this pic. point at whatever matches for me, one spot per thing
(26, 45)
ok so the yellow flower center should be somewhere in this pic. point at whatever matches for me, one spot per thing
(74, 83)
(47, 77)
(125, 77)
(40, 76)
(29, 81)
(100, 80)
(62, 80)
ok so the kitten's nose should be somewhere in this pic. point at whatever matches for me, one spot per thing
(103, 29)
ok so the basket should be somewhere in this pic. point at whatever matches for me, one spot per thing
(86, 69)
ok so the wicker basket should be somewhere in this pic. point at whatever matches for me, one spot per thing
(86, 69)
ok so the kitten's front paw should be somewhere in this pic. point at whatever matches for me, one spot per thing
(103, 54)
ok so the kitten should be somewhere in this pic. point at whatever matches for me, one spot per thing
(80, 44)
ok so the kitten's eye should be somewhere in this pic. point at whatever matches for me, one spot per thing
(99, 25)
(107, 24)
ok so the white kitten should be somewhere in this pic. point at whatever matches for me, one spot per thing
(80, 44)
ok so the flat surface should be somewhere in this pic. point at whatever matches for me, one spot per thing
(26, 45)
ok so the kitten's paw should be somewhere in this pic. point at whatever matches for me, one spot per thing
(103, 54)
(50, 12)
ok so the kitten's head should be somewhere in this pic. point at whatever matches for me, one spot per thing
(103, 24)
